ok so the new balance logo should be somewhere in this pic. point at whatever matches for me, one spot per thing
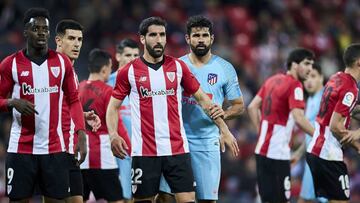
(142, 79)
(24, 73)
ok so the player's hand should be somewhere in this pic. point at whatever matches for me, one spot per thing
(92, 120)
(350, 137)
(23, 106)
(216, 111)
(81, 147)
(231, 142)
(118, 146)
(294, 159)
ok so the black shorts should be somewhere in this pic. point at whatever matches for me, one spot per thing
(104, 183)
(75, 177)
(25, 171)
(146, 173)
(331, 179)
(273, 177)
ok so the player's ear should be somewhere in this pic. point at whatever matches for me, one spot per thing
(187, 38)
(117, 57)
(212, 38)
(58, 40)
(142, 39)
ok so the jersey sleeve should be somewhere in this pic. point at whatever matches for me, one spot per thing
(347, 97)
(188, 80)
(70, 88)
(231, 87)
(261, 92)
(296, 97)
(6, 82)
(122, 85)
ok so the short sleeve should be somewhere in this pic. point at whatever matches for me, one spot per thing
(188, 80)
(232, 87)
(122, 85)
(261, 92)
(296, 98)
(347, 98)
(6, 82)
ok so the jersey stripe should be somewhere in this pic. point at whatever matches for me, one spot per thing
(269, 132)
(319, 141)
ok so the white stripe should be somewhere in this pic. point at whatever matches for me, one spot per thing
(331, 149)
(279, 144)
(315, 136)
(107, 158)
(161, 121)
(61, 98)
(179, 75)
(16, 123)
(85, 164)
(71, 137)
(263, 129)
(42, 105)
(136, 139)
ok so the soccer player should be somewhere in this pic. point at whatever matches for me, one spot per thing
(38, 78)
(154, 83)
(126, 51)
(324, 153)
(100, 171)
(69, 38)
(314, 87)
(278, 103)
(218, 79)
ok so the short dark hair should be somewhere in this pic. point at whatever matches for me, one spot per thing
(65, 24)
(97, 59)
(126, 43)
(317, 67)
(351, 54)
(198, 21)
(146, 23)
(35, 12)
(298, 55)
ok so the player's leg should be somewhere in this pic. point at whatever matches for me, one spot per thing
(125, 177)
(86, 188)
(206, 164)
(165, 195)
(273, 178)
(331, 179)
(21, 175)
(178, 173)
(105, 184)
(307, 193)
(145, 175)
(54, 180)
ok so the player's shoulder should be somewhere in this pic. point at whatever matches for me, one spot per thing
(224, 63)
(9, 59)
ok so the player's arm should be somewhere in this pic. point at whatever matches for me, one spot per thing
(254, 111)
(236, 108)
(227, 137)
(341, 133)
(76, 111)
(301, 121)
(118, 145)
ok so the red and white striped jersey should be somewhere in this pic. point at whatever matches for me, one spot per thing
(68, 126)
(340, 96)
(45, 86)
(95, 95)
(280, 94)
(155, 99)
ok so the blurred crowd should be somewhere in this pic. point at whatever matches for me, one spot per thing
(255, 35)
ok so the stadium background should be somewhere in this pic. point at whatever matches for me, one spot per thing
(255, 35)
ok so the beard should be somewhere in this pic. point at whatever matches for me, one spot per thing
(153, 52)
(200, 50)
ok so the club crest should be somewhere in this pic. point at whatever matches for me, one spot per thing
(212, 78)
(170, 76)
(55, 70)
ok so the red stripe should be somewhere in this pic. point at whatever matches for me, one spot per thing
(265, 147)
(94, 151)
(26, 140)
(65, 123)
(146, 110)
(177, 143)
(54, 141)
(319, 142)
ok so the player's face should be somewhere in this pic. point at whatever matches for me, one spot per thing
(37, 33)
(127, 55)
(200, 40)
(106, 71)
(70, 44)
(314, 82)
(304, 68)
(155, 40)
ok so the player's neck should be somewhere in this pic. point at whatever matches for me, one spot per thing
(292, 72)
(199, 61)
(35, 53)
(58, 49)
(95, 77)
(151, 59)
(354, 72)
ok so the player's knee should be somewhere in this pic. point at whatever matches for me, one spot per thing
(164, 198)
(185, 197)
